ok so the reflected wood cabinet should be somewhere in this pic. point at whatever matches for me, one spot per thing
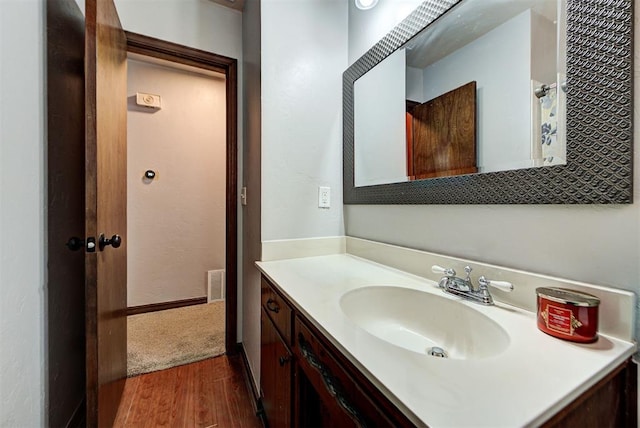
(307, 382)
(442, 135)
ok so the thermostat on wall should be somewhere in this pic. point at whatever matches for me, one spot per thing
(148, 100)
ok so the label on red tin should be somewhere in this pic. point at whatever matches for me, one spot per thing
(559, 319)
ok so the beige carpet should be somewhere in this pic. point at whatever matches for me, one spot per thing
(163, 339)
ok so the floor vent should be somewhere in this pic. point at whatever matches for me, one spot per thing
(215, 285)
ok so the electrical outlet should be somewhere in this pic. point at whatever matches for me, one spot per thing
(324, 197)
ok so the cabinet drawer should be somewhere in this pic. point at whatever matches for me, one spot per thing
(277, 309)
(339, 399)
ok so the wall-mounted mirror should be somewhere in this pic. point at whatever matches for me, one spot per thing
(493, 101)
(414, 119)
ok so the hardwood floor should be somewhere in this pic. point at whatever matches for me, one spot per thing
(209, 393)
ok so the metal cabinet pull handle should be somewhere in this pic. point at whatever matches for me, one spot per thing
(330, 382)
(273, 306)
(284, 360)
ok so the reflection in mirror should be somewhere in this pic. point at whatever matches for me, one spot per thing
(481, 89)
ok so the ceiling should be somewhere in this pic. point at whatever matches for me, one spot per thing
(467, 21)
(233, 4)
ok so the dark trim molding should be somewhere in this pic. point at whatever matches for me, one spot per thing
(78, 419)
(153, 307)
(257, 400)
(156, 48)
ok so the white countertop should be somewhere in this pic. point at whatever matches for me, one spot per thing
(523, 386)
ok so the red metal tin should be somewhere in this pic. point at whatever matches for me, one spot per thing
(568, 314)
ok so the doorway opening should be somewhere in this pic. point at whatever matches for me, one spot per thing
(182, 192)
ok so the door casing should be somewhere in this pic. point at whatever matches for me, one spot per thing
(156, 48)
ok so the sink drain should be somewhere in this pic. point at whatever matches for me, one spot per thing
(437, 352)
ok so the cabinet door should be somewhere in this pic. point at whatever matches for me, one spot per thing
(275, 375)
(328, 396)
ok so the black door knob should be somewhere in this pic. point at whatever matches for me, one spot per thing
(74, 243)
(115, 241)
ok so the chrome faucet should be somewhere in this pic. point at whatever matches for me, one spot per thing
(464, 288)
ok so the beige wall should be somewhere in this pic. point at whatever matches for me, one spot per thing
(176, 223)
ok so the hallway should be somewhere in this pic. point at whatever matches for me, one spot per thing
(208, 393)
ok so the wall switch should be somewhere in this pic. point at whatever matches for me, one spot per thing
(243, 196)
(324, 197)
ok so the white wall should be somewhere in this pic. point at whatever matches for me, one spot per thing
(199, 24)
(380, 132)
(544, 47)
(593, 243)
(304, 53)
(501, 67)
(176, 222)
(22, 213)
(415, 84)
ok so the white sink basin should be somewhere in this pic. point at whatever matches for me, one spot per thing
(418, 321)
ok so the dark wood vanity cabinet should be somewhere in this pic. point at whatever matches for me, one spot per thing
(611, 403)
(331, 392)
(307, 382)
(276, 365)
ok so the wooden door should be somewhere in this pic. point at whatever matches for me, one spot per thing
(105, 196)
(65, 214)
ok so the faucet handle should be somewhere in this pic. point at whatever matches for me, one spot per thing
(467, 270)
(443, 271)
(502, 285)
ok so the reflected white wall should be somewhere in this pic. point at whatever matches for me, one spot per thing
(500, 63)
(379, 123)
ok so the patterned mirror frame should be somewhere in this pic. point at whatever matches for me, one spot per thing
(599, 168)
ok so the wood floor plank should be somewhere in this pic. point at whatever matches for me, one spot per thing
(139, 411)
(126, 401)
(221, 368)
(182, 409)
(209, 393)
(162, 399)
(222, 406)
(239, 402)
(205, 409)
